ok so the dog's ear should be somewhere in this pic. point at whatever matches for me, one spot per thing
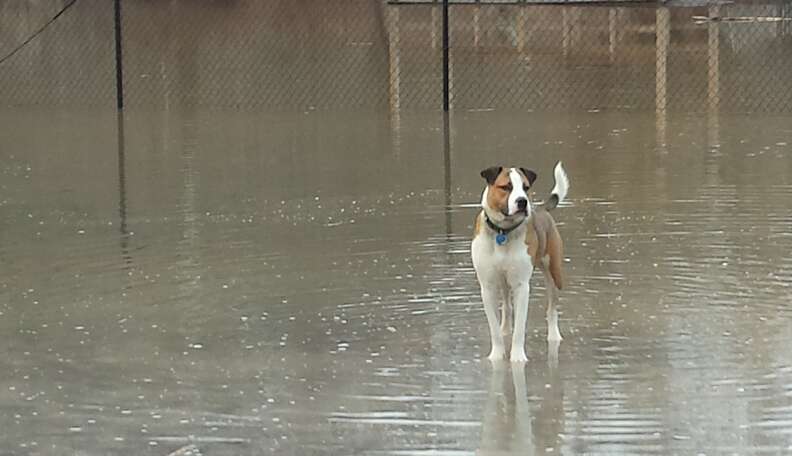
(529, 174)
(491, 173)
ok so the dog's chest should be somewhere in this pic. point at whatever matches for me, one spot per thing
(510, 256)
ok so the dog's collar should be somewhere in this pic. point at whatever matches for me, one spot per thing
(501, 238)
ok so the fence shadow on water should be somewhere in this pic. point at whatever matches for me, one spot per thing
(371, 54)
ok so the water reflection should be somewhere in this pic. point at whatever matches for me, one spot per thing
(122, 192)
(447, 171)
(524, 412)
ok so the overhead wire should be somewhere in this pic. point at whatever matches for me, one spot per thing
(38, 32)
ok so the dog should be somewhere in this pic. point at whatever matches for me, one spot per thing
(511, 238)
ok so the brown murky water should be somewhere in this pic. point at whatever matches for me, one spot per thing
(300, 284)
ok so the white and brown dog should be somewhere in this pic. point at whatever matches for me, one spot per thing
(511, 238)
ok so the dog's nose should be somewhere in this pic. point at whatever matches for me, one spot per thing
(522, 203)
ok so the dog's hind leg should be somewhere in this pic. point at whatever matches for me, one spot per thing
(553, 334)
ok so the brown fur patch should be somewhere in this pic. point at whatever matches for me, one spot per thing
(555, 248)
(497, 197)
(532, 242)
(544, 241)
(477, 224)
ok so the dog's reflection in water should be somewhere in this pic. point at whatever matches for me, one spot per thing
(525, 408)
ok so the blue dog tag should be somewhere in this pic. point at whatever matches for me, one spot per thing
(500, 238)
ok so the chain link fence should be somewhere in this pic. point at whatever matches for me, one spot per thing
(277, 55)
(255, 54)
(70, 62)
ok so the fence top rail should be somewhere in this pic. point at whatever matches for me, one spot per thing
(659, 3)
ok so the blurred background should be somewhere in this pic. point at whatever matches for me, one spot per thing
(685, 56)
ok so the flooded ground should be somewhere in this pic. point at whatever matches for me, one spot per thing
(246, 284)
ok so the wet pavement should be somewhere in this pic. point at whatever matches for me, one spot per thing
(232, 283)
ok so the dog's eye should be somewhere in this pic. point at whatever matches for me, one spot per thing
(506, 187)
(525, 188)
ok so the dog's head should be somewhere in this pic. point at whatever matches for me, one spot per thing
(505, 198)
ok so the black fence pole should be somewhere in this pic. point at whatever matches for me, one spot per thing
(446, 95)
(118, 55)
(446, 123)
(122, 190)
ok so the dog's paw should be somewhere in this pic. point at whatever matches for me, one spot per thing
(518, 356)
(496, 355)
(553, 334)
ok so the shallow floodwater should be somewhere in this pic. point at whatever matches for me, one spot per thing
(231, 283)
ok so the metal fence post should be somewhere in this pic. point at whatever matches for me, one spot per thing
(522, 17)
(713, 58)
(612, 30)
(713, 73)
(446, 95)
(118, 57)
(662, 40)
(394, 58)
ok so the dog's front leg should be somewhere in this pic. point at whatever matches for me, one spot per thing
(520, 294)
(506, 311)
(490, 298)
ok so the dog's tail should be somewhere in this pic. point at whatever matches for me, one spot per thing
(560, 190)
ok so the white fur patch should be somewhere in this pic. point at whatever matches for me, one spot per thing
(517, 191)
(561, 183)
